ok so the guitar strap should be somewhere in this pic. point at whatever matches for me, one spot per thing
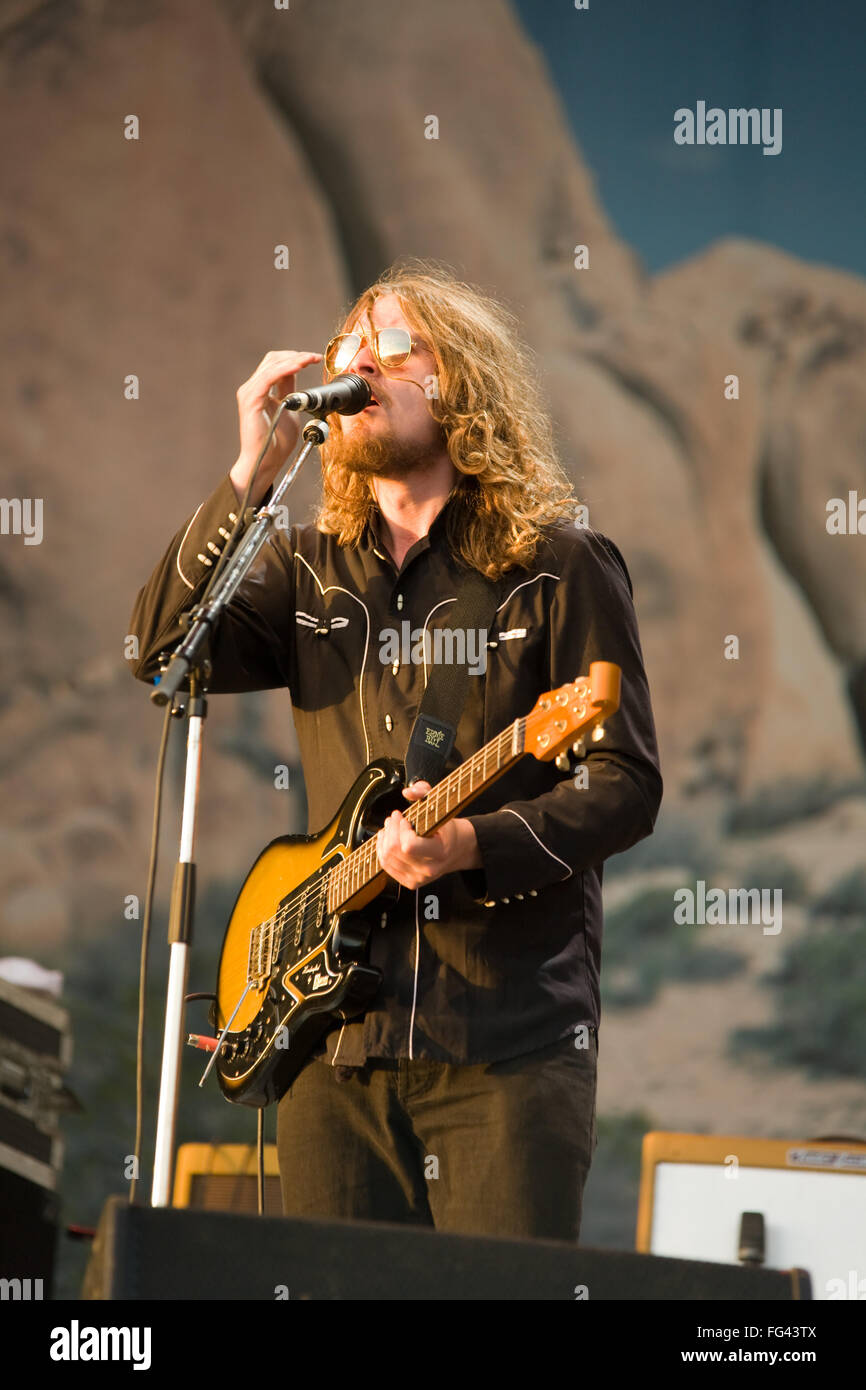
(435, 727)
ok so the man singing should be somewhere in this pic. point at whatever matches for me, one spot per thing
(465, 1097)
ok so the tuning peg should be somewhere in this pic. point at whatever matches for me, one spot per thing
(598, 733)
(562, 762)
(578, 748)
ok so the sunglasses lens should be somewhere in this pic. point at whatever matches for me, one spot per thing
(394, 346)
(340, 352)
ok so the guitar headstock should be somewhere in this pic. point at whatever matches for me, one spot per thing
(561, 719)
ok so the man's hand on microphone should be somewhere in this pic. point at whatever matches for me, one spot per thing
(258, 398)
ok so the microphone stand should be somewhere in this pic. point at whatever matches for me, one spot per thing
(190, 661)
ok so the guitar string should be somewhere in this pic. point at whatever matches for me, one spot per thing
(292, 914)
(363, 859)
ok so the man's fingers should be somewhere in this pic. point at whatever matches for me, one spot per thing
(416, 791)
(278, 369)
(288, 359)
(283, 384)
(398, 837)
(404, 858)
(419, 849)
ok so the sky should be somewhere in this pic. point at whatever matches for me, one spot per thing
(623, 67)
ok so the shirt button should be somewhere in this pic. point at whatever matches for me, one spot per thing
(399, 600)
(395, 668)
(389, 723)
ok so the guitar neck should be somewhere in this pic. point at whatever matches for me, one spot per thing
(360, 870)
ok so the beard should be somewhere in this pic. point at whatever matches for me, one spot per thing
(379, 456)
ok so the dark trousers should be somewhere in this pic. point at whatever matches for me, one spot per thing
(500, 1148)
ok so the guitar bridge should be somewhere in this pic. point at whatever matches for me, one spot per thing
(260, 959)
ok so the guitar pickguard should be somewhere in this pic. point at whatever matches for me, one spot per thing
(297, 968)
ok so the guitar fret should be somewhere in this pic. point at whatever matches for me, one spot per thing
(361, 865)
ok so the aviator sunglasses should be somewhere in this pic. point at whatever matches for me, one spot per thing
(390, 346)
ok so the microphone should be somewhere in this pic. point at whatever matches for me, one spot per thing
(346, 395)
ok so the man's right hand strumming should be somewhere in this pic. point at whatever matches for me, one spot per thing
(273, 379)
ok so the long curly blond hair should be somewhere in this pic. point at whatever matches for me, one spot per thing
(498, 434)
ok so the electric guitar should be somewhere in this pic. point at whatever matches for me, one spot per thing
(294, 958)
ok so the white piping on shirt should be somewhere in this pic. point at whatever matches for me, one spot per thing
(544, 574)
(310, 620)
(180, 548)
(417, 929)
(544, 847)
(337, 1048)
(415, 990)
(424, 631)
(341, 590)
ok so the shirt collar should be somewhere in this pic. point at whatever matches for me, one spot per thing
(376, 524)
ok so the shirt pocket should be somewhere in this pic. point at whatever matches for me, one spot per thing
(517, 670)
(330, 644)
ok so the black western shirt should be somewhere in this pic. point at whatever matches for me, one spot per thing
(509, 960)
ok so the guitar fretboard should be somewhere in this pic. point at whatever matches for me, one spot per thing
(359, 868)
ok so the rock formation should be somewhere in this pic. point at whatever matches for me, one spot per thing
(154, 258)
